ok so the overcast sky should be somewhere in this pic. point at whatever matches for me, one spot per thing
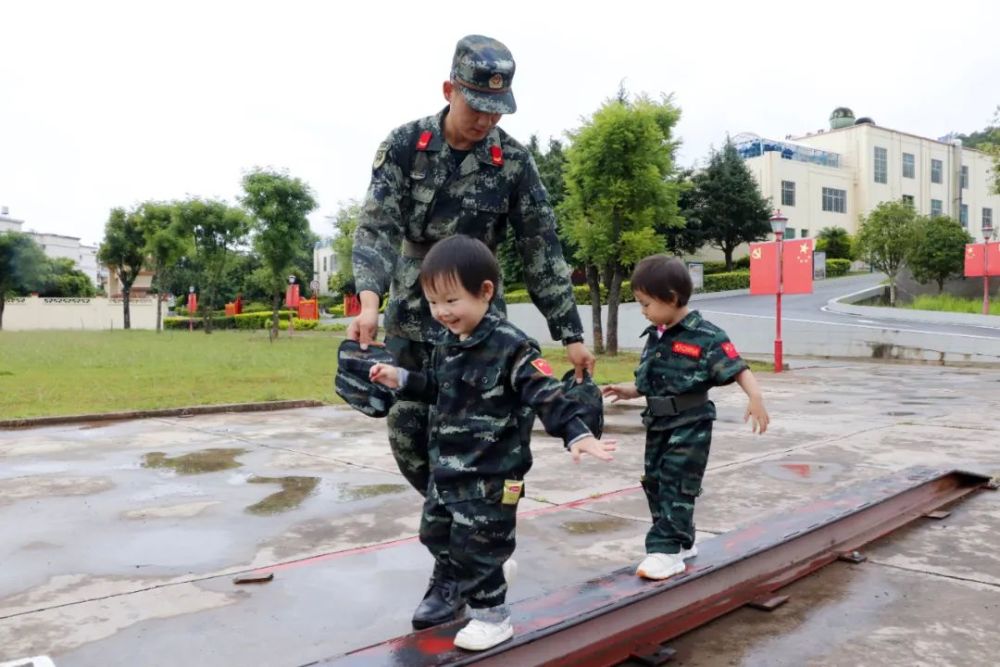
(106, 104)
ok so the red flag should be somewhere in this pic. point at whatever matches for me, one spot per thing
(764, 268)
(192, 303)
(797, 267)
(993, 259)
(292, 296)
(974, 254)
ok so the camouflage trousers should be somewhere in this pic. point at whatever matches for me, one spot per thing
(470, 533)
(674, 466)
(407, 420)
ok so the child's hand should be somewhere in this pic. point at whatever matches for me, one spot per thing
(757, 412)
(596, 448)
(384, 374)
(620, 391)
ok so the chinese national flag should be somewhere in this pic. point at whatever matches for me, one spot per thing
(797, 267)
(993, 259)
(974, 255)
(764, 268)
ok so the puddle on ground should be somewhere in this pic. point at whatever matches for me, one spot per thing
(208, 460)
(603, 525)
(793, 471)
(365, 491)
(294, 490)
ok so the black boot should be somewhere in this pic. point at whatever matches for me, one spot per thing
(441, 603)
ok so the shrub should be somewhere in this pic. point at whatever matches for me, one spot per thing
(837, 267)
(742, 262)
(719, 282)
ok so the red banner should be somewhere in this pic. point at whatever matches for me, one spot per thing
(763, 268)
(982, 259)
(292, 296)
(797, 267)
(974, 255)
(993, 259)
(192, 303)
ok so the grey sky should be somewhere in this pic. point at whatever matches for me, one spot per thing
(107, 104)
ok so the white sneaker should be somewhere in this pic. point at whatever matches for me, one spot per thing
(510, 571)
(660, 566)
(689, 553)
(481, 635)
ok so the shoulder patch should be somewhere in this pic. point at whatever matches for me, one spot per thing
(542, 367)
(687, 349)
(730, 350)
(380, 154)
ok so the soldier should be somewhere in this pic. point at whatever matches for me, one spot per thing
(485, 376)
(684, 356)
(454, 172)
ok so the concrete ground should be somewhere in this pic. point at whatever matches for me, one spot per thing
(113, 554)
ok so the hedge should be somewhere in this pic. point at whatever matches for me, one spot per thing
(718, 282)
(243, 321)
(837, 267)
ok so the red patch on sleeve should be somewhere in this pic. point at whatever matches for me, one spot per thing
(687, 349)
(496, 154)
(730, 350)
(542, 367)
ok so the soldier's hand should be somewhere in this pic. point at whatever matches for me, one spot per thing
(385, 374)
(620, 392)
(364, 328)
(758, 413)
(597, 448)
(581, 358)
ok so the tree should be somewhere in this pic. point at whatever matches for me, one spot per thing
(835, 242)
(885, 238)
(217, 229)
(279, 204)
(938, 251)
(123, 251)
(618, 189)
(62, 279)
(344, 223)
(725, 205)
(165, 242)
(22, 266)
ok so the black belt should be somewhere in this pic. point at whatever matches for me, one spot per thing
(416, 249)
(668, 406)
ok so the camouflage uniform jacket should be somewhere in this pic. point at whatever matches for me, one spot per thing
(417, 193)
(480, 390)
(691, 356)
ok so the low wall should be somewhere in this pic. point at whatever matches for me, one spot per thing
(95, 314)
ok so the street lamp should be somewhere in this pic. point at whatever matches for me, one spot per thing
(778, 223)
(987, 237)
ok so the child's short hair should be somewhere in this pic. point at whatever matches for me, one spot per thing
(462, 258)
(664, 278)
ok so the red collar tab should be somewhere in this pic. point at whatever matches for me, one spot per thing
(687, 349)
(496, 154)
(425, 140)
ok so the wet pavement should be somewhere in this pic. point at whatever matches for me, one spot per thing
(120, 542)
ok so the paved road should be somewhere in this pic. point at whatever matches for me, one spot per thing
(808, 329)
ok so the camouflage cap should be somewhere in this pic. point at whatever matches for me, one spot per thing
(589, 394)
(352, 383)
(484, 69)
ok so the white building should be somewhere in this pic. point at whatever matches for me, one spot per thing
(324, 264)
(831, 178)
(57, 246)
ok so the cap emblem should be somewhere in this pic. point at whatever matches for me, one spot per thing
(496, 82)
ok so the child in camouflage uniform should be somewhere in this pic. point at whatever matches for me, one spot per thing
(485, 378)
(685, 355)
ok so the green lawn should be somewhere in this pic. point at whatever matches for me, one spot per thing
(953, 304)
(44, 373)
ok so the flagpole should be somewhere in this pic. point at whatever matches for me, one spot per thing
(778, 227)
(987, 236)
